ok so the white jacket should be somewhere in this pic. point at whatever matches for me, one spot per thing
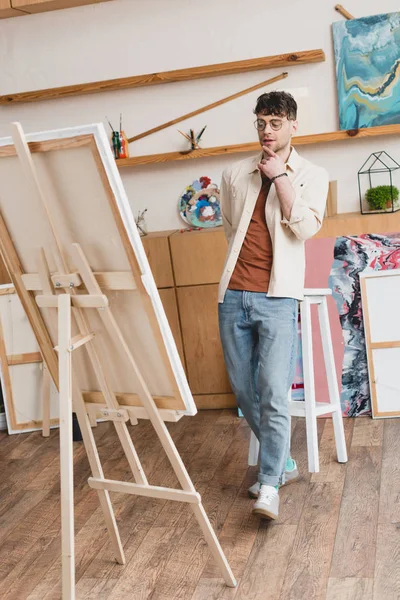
(240, 186)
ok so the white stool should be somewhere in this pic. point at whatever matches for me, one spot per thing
(309, 408)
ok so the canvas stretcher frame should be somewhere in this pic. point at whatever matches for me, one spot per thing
(76, 310)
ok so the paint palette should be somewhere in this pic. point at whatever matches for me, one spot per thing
(199, 204)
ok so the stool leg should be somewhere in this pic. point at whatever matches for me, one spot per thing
(309, 387)
(254, 449)
(334, 396)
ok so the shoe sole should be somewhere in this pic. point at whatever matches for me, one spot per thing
(255, 496)
(264, 513)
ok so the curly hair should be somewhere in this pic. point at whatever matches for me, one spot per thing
(281, 104)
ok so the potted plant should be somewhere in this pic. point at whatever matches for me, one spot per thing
(382, 196)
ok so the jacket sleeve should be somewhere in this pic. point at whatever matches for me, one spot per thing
(309, 206)
(225, 203)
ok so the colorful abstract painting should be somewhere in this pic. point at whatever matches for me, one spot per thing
(352, 255)
(367, 55)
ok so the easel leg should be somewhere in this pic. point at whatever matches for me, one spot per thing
(46, 402)
(66, 449)
(97, 471)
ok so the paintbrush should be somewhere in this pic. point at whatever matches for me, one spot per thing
(111, 127)
(201, 133)
(184, 135)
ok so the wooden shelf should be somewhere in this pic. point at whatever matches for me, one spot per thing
(229, 68)
(20, 8)
(301, 140)
(7, 11)
(36, 6)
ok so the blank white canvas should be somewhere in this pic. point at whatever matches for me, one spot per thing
(383, 294)
(387, 379)
(26, 379)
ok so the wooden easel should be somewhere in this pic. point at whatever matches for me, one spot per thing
(71, 306)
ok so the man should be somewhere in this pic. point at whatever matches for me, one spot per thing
(270, 205)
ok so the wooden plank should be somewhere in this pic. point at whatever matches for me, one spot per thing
(159, 257)
(49, 145)
(270, 555)
(188, 251)
(218, 476)
(384, 345)
(66, 448)
(149, 491)
(389, 505)
(81, 301)
(350, 588)
(203, 350)
(45, 402)
(354, 554)
(24, 359)
(300, 140)
(339, 8)
(387, 573)
(206, 108)
(216, 70)
(38, 6)
(39, 553)
(308, 568)
(7, 291)
(330, 471)
(96, 397)
(367, 432)
(112, 280)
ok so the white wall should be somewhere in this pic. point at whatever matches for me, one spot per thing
(130, 37)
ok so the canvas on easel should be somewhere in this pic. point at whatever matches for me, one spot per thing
(30, 398)
(69, 241)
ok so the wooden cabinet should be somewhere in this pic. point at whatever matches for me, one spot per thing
(198, 256)
(200, 332)
(187, 268)
(169, 301)
(197, 260)
(156, 246)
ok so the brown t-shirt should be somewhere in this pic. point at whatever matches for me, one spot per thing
(253, 267)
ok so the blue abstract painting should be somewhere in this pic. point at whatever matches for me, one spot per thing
(367, 55)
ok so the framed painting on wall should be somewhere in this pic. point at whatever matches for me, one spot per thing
(367, 56)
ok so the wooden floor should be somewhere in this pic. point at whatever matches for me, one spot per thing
(338, 536)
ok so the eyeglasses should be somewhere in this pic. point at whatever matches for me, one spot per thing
(275, 124)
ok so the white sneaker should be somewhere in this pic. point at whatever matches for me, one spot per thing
(267, 504)
(290, 477)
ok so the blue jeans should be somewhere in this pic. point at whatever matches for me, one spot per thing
(259, 339)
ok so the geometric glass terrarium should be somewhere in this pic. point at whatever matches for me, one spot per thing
(378, 184)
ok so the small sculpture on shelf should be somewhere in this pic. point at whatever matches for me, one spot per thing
(376, 184)
(141, 223)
